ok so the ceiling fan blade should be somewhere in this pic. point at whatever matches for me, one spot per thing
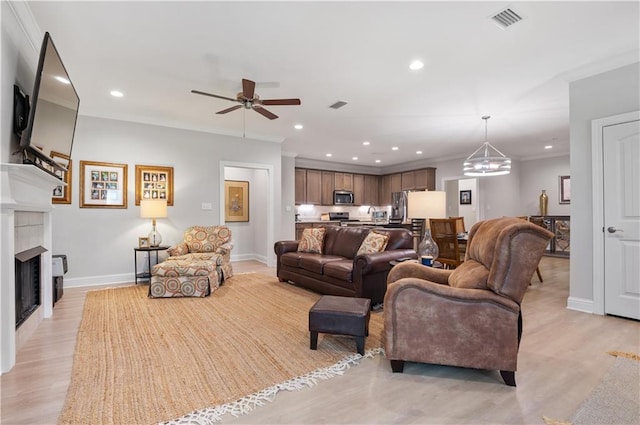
(233, 108)
(213, 95)
(280, 101)
(248, 88)
(265, 113)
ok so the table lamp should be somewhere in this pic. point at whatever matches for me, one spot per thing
(427, 205)
(153, 208)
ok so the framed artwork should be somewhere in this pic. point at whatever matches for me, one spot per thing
(143, 242)
(154, 183)
(236, 200)
(103, 185)
(565, 189)
(465, 197)
(62, 193)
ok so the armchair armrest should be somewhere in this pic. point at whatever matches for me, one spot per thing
(418, 271)
(379, 261)
(178, 249)
(281, 247)
(224, 248)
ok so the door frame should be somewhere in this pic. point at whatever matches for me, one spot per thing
(597, 191)
(270, 201)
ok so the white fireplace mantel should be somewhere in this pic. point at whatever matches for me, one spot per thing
(23, 187)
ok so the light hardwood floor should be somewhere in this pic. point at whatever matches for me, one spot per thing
(562, 357)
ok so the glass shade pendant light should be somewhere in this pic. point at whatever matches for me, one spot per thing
(487, 160)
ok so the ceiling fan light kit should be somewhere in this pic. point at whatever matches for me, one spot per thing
(250, 100)
(487, 160)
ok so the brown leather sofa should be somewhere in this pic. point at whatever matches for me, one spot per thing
(470, 316)
(338, 271)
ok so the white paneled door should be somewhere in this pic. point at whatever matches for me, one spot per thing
(621, 172)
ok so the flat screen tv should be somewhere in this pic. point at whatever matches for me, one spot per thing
(48, 138)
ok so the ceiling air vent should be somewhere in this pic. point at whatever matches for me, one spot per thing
(339, 104)
(506, 18)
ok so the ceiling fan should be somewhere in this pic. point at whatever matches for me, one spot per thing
(250, 100)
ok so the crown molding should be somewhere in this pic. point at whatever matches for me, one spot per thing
(26, 22)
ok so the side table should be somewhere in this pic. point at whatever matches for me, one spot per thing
(149, 250)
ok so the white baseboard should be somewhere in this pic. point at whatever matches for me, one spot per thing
(130, 278)
(98, 280)
(580, 304)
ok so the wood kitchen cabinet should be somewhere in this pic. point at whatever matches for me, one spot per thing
(384, 190)
(301, 186)
(408, 180)
(327, 187)
(423, 179)
(308, 186)
(358, 190)
(396, 184)
(343, 181)
(370, 190)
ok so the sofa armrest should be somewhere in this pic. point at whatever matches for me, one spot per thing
(418, 271)
(281, 247)
(379, 261)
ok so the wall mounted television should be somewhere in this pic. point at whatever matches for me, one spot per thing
(53, 113)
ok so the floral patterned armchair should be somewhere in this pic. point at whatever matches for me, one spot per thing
(205, 243)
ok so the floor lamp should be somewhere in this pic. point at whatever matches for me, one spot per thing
(427, 205)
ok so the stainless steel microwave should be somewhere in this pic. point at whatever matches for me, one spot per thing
(342, 197)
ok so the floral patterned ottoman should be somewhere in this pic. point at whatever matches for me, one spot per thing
(185, 276)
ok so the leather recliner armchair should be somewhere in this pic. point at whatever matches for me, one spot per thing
(468, 317)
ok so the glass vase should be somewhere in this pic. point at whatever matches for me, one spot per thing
(428, 249)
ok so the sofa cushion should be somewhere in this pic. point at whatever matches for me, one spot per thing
(374, 242)
(311, 240)
(341, 269)
(315, 263)
(344, 241)
(470, 274)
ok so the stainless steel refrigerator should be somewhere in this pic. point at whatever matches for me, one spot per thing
(398, 207)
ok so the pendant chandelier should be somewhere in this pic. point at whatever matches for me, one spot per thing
(487, 160)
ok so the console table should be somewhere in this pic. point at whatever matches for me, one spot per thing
(145, 275)
(560, 226)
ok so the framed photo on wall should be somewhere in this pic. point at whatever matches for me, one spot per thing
(103, 185)
(565, 189)
(236, 200)
(154, 183)
(62, 193)
(465, 197)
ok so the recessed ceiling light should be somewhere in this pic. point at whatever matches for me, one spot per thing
(116, 93)
(416, 65)
(355, 158)
(419, 152)
(366, 143)
(298, 126)
(329, 155)
(62, 80)
(378, 161)
(395, 148)
(548, 147)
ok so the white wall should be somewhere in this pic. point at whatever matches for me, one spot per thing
(468, 211)
(610, 93)
(539, 174)
(99, 242)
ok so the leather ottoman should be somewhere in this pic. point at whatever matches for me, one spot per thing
(341, 316)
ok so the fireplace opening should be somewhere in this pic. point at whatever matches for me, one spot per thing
(27, 283)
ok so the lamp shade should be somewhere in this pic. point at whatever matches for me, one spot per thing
(153, 208)
(427, 204)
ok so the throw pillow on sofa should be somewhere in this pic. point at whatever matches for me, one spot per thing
(374, 242)
(311, 240)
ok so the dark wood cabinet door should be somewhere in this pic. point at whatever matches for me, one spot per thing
(314, 187)
(358, 190)
(327, 187)
(301, 186)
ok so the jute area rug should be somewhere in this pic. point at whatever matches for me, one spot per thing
(616, 398)
(192, 360)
